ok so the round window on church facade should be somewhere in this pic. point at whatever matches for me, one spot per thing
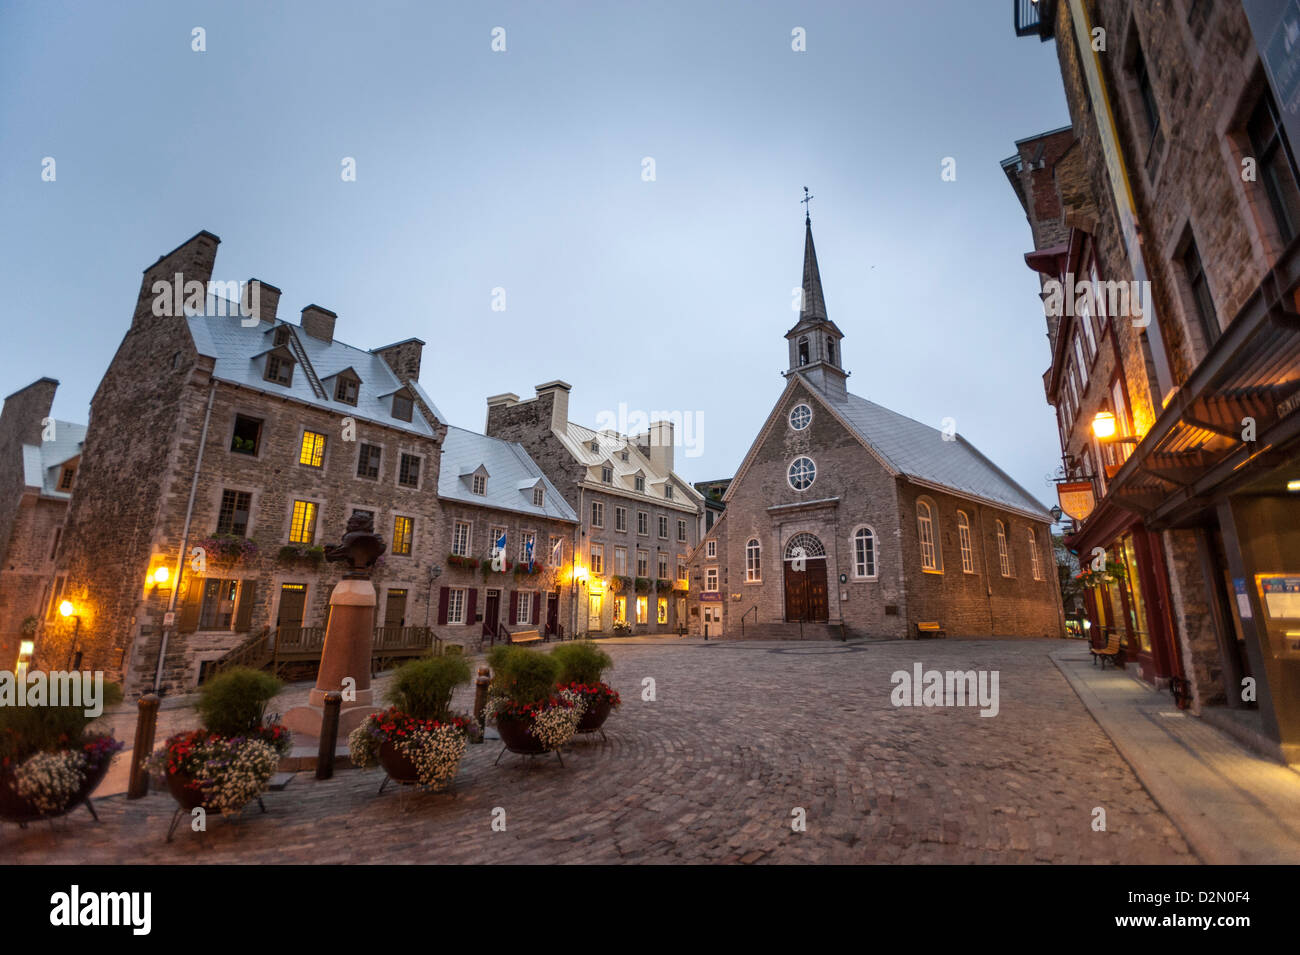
(800, 417)
(802, 473)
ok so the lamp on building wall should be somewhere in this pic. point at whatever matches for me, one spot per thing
(1103, 427)
(66, 609)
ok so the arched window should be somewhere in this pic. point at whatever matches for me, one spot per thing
(1033, 555)
(803, 350)
(753, 571)
(925, 532)
(864, 553)
(804, 545)
(802, 473)
(1004, 556)
(963, 536)
(830, 349)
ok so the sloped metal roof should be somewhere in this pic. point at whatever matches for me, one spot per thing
(42, 464)
(610, 446)
(512, 474)
(919, 451)
(220, 334)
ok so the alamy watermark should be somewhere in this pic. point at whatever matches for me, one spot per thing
(1120, 299)
(176, 296)
(687, 429)
(56, 688)
(922, 687)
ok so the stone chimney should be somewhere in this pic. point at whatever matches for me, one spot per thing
(190, 262)
(657, 445)
(403, 357)
(559, 394)
(260, 300)
(319, 322)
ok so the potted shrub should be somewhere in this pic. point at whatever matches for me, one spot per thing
(532, 715)
(229, 762)
(643, 585)
(581, 665)
(50, 761)
(418, 740)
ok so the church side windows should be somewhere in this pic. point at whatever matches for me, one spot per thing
(802, 473)
(963, 536)
(1004, 556)
(925, 533)
(864, 553)
(800, 417)
(753, 570)
(1033, 555)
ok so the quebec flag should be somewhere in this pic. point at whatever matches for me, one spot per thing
(528, 553)
(557, 552)
(500, 543)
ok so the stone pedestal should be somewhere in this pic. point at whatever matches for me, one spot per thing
(348, 642)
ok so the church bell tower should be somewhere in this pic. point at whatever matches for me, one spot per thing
(815, 340)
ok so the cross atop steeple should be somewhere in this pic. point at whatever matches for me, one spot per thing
(806, 207)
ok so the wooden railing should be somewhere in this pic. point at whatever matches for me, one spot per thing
(269, 650)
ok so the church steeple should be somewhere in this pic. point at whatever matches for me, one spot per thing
(815, 339)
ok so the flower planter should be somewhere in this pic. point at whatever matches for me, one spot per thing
(185, 791)
(593, 718)
(14, 808)
(399, 767)
(517, 736)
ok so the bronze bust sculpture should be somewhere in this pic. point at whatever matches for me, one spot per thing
(360, 547)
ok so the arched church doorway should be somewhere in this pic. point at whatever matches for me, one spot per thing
(805, 579)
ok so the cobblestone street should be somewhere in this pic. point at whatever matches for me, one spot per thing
(739, 735)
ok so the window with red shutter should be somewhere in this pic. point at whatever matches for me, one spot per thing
(471, 605)
(514, 609)
(444, 594)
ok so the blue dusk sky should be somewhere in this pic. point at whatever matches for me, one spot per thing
(523, 170)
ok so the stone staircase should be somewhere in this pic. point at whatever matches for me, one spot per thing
(787, 631)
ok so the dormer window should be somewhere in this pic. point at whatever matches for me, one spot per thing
(278, 369)
(65, 479)
(668, 491)
(403, 407)
(478, 484)
(281, 336)
(624, 455)
(539, 497)
(639, 483)
(595, 445)
(607, 475)
(345, 390)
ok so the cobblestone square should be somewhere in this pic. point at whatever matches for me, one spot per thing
(739, 736)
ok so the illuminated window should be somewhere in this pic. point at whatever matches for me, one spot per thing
(662, 610)
(302, 527)
(642, 609)
(312, 452)
(403, 531)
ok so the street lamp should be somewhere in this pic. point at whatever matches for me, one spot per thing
(1103, 427)
(66, 609)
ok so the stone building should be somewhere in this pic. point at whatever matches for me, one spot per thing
(1179, 426)
(638, 521)
(489, 491)
(846, 518)
(39, 457)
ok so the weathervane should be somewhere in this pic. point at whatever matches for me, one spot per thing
(806, 208)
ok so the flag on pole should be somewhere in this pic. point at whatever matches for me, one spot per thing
(557, 552)
(528, 553)
(499, 552)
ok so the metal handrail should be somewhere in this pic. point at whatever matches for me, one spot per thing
(746, 614)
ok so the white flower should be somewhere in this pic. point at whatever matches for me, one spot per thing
(49, 780)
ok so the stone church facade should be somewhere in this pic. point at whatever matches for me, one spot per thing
(848, 518)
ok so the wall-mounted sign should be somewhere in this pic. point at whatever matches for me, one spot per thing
(711, 595)
(1243, 598)
(1280, 595)
(1076, 499)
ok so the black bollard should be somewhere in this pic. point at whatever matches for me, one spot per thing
(329, 735)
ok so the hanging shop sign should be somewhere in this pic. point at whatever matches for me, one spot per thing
(1076, 498)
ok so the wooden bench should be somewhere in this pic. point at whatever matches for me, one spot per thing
(1109, 652)
(525, 636)
(930, 628)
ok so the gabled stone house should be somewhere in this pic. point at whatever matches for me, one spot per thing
(39, 457)
(252, 440)
(638, 520)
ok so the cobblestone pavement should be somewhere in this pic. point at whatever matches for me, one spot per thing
(739, 735)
